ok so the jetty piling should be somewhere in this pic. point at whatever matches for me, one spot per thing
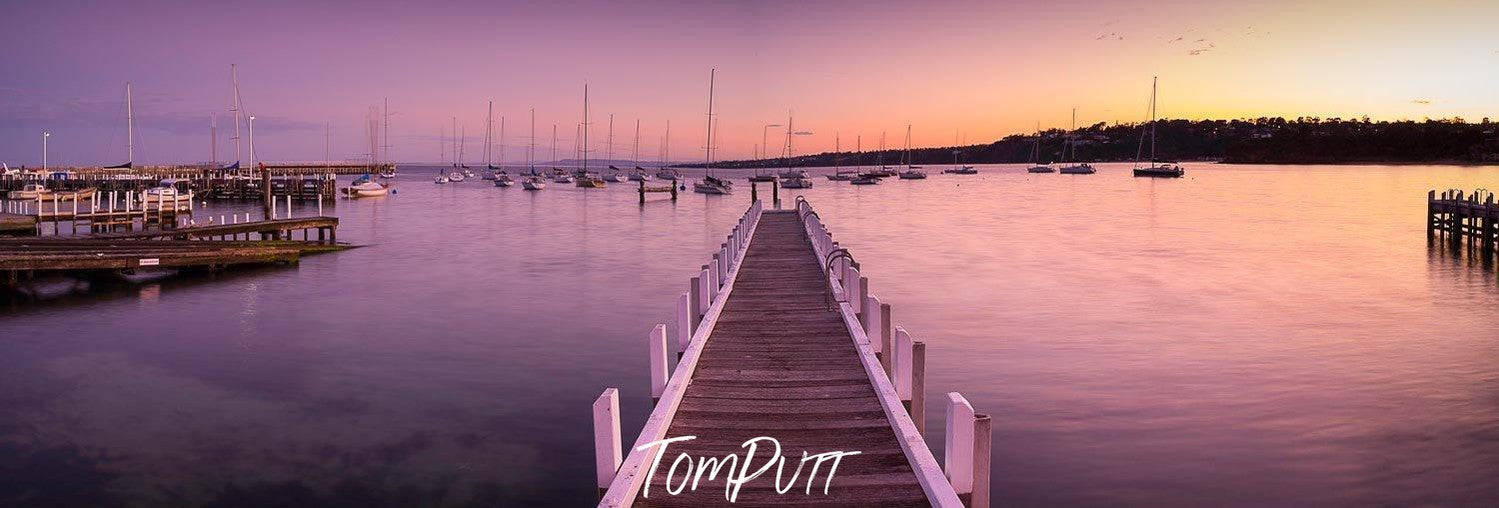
(1461, 219)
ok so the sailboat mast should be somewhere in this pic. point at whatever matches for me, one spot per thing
(859, 150)
(635, 156)
(788, 149)
(909, 162)
(501, 160)
(1152, 119)
(213, 139)
(129, 127)
(488, 127)
(708, 148)
(385, 145)
(609, 148)
(554, 143)
(583, 129)
(234, 107)
(666, 146)
(531, 147)
(837, 153)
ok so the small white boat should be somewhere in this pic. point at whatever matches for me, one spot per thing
(615, 175)
(389, 173)
(441, 178)
(30, 191)
(365, 188)
(456, 176)
(797, 183)
(164, 197)
(533, 183)
(842, 176)
(793, 173)
(639, 175)
(1077, 169)
(961, 170)
(711, 185)
(667, 174)
(912, 174)
(1040, 168)
(865, 179)
(503, 180)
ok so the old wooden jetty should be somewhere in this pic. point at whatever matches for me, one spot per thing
(779, 337)
(1463, 219)
(207, 248)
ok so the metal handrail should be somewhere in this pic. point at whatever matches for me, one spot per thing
(830, 298)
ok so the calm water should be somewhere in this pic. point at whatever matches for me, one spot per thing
(1245, 336)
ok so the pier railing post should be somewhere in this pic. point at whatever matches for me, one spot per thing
(872, 329)
(901, 359)
(885, 339)
(606, 442)
(918, 387)
(658, 362)
(684, 322)
(710, 286)
(704, 292)
(958, 449)
(695, 300)
(983, 427)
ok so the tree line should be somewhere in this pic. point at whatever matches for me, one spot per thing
(1270, 140)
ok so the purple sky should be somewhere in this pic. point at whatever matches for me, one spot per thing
(977, 69)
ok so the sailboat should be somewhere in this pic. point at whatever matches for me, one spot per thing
(957, 166)
(662, 171)
(558, 175)
(488, 130)
(1157, 169)
(709, 184)
(1074, 168)
(586, 180)
(615, 175)
(1036, 166)
(533, 180)
(912, 172)
(839, 175)
(501, 178)
(456, 175)
(365, 186)
(795, 178)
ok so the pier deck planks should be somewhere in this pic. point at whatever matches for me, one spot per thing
(780, 364)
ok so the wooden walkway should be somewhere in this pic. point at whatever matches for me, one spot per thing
(773, 357)
(1463, 219)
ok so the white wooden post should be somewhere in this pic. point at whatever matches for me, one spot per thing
(288, 206)
(918, 386)
(901, 358)
(958, 459)
(658, 361)
(885, 339)
(319, 205)
(695, 290)
(606, 441)
(705, 290)
(872, 325)
(718, 264)
(684, 322)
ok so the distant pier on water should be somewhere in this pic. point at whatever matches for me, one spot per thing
(1463, 220)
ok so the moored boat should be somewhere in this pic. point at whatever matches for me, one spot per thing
(1156, 169)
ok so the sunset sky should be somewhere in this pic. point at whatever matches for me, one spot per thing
(984, 69)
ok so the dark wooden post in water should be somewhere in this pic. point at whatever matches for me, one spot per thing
(775, 191)
(642, 192)
(266, 198)
(754, 192)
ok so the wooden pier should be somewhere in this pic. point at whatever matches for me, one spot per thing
(204, 248)
(1463, 219)
(779, 337)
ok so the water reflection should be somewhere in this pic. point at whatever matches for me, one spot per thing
(1242, 336)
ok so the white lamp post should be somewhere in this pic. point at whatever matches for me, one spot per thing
(45, 135)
